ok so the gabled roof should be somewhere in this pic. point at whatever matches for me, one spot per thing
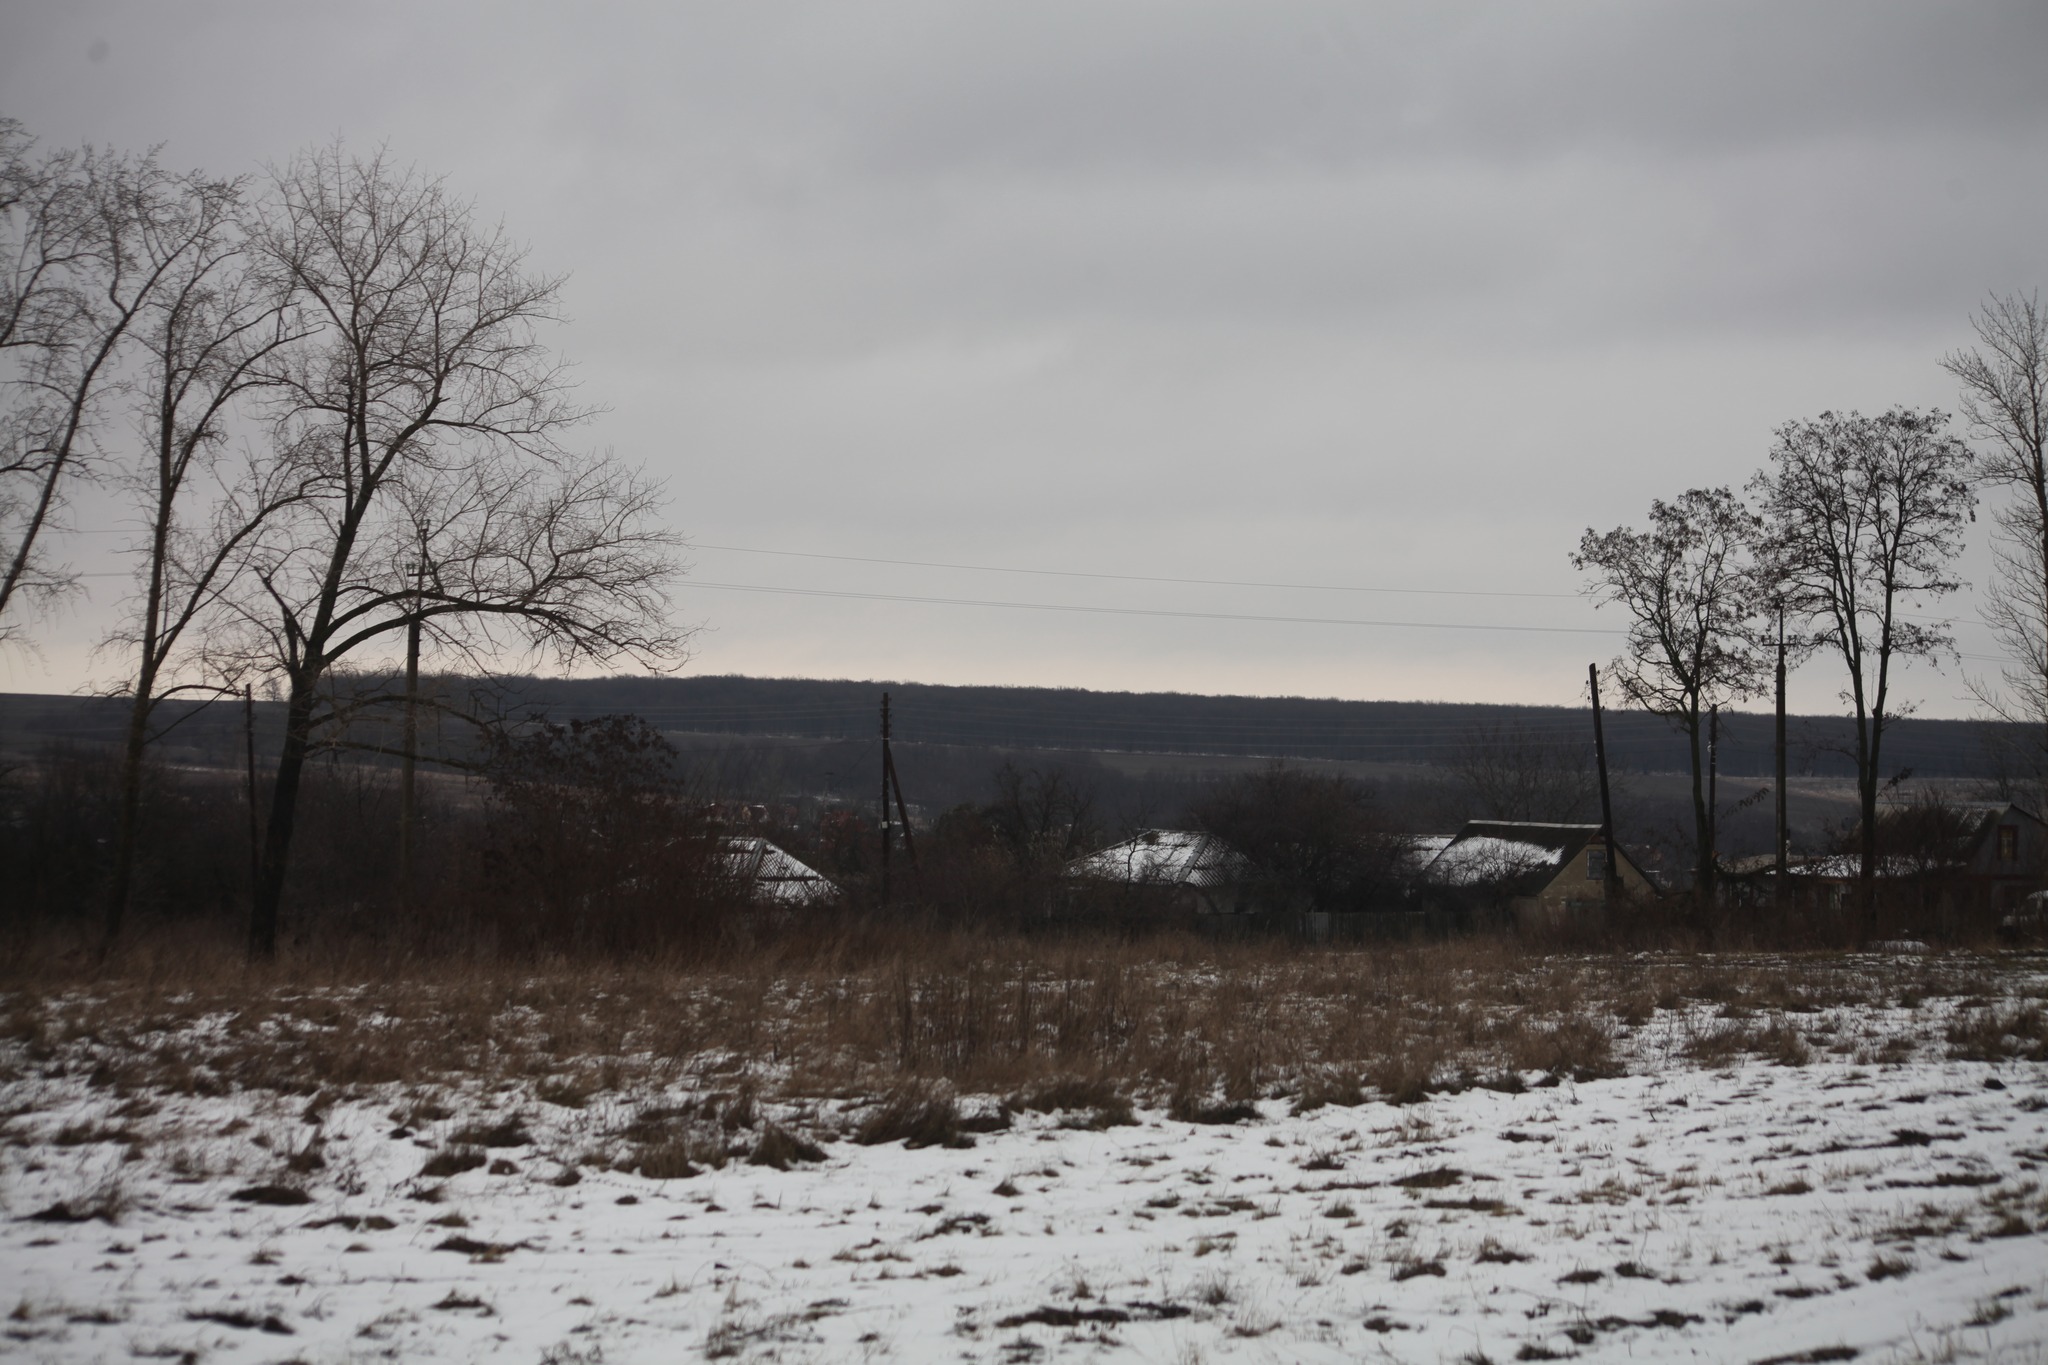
(1418, 851)
(1950, 836)
(1164, 857)
(1518, 856)
(775, 876)
(1974, 820)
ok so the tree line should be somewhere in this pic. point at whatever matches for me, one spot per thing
(1836, 549)
(324, 400)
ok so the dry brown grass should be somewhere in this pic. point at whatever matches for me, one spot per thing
(1080, 1026)
(1990, 1034)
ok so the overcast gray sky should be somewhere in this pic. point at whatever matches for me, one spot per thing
(1386, 297)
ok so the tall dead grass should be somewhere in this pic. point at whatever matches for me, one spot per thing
(868, 1010)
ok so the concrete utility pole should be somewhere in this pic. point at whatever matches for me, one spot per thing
(1612, 881)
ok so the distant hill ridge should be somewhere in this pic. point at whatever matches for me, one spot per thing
(1076, 718)
(1281, 727)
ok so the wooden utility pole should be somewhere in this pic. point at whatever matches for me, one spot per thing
(1713, 797)
(249, 757)
(1612, 880)
(888, 769)
(1781, 891)
(409, 761)
(902, 811)
(892, 784)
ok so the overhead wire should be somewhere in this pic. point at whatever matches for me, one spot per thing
(1168, 613)
(1126, 577)
(1141, 611)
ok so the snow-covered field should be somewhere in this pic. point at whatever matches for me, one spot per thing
(1744, 1210)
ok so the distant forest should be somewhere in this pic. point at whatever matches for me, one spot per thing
(1278, 727)
(1022, 718)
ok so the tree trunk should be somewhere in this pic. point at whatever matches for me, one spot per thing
(2040, 491)
(277, 837)
(128, 817)
(1703, 857)
(1866, 799)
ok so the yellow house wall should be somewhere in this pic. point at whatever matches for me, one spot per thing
(1572, 888)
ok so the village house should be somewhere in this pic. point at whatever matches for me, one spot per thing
(773, 878)
(1942, 861)
(1168, 869)
(1543, 875)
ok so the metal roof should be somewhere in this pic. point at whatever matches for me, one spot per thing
(1164, 857)
(775, 875)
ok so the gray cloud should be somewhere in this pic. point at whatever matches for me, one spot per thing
(1291, 290)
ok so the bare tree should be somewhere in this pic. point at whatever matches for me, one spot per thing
(423, 417)
(593, 837)
(74, 275)
(1318, 840)
(1516, 771)
(2005, 401)
(1863, 516)
(38, 295)
(201, 341)
(1691, 599)
(1043, 817)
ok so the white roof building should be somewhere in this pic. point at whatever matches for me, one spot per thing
(1164, 857)
(777, 878)
(1483, 859)
(1195, 870)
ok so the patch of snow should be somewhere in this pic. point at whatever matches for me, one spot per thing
(1729, 1213)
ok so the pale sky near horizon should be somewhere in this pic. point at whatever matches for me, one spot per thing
(1389, 297)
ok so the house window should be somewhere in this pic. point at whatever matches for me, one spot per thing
(2008, 843)
(1596, 864)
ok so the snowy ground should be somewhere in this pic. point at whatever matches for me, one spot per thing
(1889, 1210)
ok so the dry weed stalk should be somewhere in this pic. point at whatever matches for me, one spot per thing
(1082, 1027)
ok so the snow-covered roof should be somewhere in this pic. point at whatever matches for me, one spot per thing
(775, 875)
(1164, 857)
(1849, 867)
(1500, 852)
(1483, 858)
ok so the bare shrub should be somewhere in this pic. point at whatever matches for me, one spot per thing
(2019, 1033)
(1579, 1047)
(1405, 1076)
(916, 1116)
(106, 1201)
(1189, 1105)
(1784, 1044)
(780, 1149)
(506, 1132)
(1326, 1085)
(1091, 1103)
(453, 1161)
(667, 1159)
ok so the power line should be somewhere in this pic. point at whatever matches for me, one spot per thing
(1163, 578)
(1122, 577)
(1140, 611)
(1132, 578)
